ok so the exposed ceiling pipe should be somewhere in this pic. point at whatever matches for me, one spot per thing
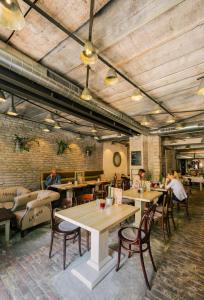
(184, 128)
(19, 63)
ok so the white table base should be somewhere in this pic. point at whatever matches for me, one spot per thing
(90, 276)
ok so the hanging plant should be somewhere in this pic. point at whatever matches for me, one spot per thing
(89, 150)
(23, 143)
(62, 146)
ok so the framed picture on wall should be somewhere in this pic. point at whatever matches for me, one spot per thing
(136, 158)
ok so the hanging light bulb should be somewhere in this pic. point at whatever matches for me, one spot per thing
(111, 77)
(157, 111)
(78, 137)
(57, 125)
(88, 56)
(11, 16)
(93, 130)
(12, 110)
(137, 95)
(145, 121)
(49, 119)
(200, 90)
(170, 120)
(46, 129)
(2, 97)
(86, 95)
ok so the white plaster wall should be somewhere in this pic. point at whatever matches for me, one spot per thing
(108, 166)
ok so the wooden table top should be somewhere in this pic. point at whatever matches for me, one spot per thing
(66, 186)
(145, 196)
(158, 189)
(92, 218)
(6, 214)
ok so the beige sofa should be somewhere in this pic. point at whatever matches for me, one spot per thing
(33, 208)
(8, 195)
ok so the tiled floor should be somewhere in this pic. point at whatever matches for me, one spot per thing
(27, 273)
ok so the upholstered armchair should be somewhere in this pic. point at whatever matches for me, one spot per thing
(8, 195)
(33, 208)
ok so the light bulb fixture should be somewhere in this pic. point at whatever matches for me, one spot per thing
(88, 56)
(137, 95)
(11, 16)
(170, 120)
(57, 125)
(145, 121)
(96, 138)
(78, 137)
(49, 119)
(12, 110)
(111, 77)
(157, 111)
(2, 97)
(46, 129)
(93, 130)
(200, 90)
(179, 126)
(86, 95)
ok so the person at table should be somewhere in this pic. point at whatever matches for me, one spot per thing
(137, 179)
(179, 193)
(53, 178)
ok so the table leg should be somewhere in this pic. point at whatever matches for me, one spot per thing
(138, 214)
(94, 265)
(201, 186)
(7, 231)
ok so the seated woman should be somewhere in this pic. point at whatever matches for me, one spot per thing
(53, 178)
(137, 179)
(179, 193)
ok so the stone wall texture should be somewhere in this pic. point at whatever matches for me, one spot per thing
(24, 168)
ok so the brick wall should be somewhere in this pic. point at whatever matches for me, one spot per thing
(24, 168)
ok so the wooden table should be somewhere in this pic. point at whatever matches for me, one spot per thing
(97, 263)
(140, 199)
(5, 216)
(196, 179)
(66, 186)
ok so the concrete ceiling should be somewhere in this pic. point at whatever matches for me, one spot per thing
(157, 43)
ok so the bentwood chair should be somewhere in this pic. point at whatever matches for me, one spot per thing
(67, 231)
(137, 240)
(162, 215)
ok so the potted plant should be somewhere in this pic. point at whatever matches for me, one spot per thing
(22, 143)
(62, 146)
(89, 150)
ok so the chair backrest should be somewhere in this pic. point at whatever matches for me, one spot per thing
(146, 223)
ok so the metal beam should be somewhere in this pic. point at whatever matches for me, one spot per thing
(23, 87)
(81, 42)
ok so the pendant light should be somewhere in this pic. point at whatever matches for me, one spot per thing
(86, 95)
(12, 110)
(2, 97)
(57, 125)
(145, 121)
(49, 119)
(88, 56)
(46, 129)
(170, 120)
(137, 95)
(111, 77)
(11, 16)
(200, 90)
(93, 130)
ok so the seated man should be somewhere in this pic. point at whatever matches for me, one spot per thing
(137, 180)
(53, 178)
(179, 193)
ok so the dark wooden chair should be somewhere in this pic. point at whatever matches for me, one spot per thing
(65, 230)
(162, 215)
(139, 238)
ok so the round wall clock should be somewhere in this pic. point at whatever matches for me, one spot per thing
(116, 159)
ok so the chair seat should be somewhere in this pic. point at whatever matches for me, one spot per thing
(66, 226)
(131, 233)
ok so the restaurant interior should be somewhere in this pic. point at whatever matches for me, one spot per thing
(101, 149)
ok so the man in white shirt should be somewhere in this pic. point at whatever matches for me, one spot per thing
(179, 193)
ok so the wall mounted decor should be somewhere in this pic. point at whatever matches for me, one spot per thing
(117, 159)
